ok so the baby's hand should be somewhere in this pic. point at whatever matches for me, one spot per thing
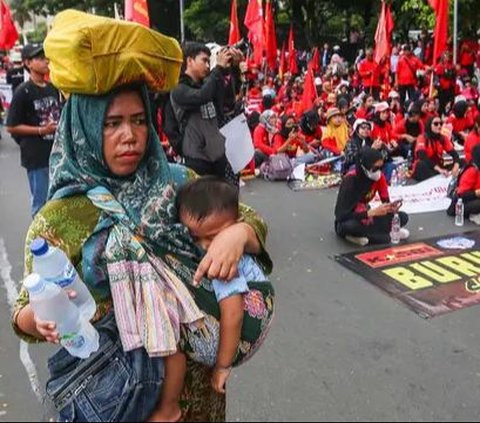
(219, 378)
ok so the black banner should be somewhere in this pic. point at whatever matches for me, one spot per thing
(431, 277)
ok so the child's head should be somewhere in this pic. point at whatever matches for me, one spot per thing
(207, 206)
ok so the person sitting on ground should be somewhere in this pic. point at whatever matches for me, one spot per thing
(208, 206)
(473, 139)
(361, 137)
(354, 219)
(336, 135)
(395, 107)
(461, 121)
(469, 189)
(408, 130)
(383, 131)
(263, 137)
(289, 140)
(366, 110)
(429, 153)
(311, 129)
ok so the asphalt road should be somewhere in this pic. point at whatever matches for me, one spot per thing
(339, 350)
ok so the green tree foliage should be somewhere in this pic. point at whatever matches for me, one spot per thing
(45, 7)
(315, 21)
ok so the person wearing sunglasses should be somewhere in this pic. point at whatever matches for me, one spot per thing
(429, 153)
(355, 220)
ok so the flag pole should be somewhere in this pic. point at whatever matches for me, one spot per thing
(182, 22)
(455, 32)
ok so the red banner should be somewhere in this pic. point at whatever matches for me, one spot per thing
(8, 31)
(234, 34)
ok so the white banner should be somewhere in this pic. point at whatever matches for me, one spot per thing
(425, 197)
(6, 94)
(238, 145)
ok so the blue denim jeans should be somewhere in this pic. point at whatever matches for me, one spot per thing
(111, 385)
(38, 180)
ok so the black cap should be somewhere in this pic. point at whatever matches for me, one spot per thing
(32, 50)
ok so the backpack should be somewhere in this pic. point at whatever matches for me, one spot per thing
(175, 121)
(277, 168)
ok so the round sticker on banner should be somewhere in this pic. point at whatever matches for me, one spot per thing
(456, 243)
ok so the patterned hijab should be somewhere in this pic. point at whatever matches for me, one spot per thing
(77, 165)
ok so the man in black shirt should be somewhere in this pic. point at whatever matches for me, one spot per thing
(32, 121)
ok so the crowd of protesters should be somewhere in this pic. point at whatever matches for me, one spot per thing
(408, 109)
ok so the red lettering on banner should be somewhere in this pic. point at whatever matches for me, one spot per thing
(397, 255)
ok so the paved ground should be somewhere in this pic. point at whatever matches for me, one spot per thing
(340, 350)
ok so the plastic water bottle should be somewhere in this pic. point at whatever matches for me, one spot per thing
(395, 234)
(459, 213)
(403, 173)
(51, 303)
(394, 179)
(54, 266)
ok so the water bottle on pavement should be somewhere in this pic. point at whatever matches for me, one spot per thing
(459, 213)
(54, 266)
(394, 179)
(51, 303)
(396, 226)
(404, 173)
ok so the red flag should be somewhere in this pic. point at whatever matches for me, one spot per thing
(137, 11)
(309, 90)
(292, 53)
(254, 23)
(283, 62)
(441, 8)
(383, 34)
(270, 37)
(8, 31)
(234, 35)
(314, 63)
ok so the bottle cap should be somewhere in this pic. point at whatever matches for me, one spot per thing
(39, 247)
(34, 284)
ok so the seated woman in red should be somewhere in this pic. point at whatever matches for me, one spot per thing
(291, 141)
(263, 136)
(462, 121)
(366, 110)
(469, 189)
(473, 139)
(429, 153)
(354, 219)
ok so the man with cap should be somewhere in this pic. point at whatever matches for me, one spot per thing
(32, 121)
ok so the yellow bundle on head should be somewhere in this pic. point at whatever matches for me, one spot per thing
(91, 55)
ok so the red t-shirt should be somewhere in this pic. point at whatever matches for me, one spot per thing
(407, 69)
(461, 124)
(370, 73)
(401, 128)
(445, 82)
(386, 134)
(434, 150)
(316, 136)
(472, 140)
(469, 181)
(261, 141)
